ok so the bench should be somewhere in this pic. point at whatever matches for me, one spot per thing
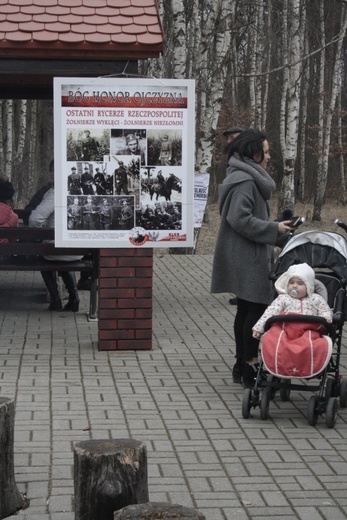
(27, 251)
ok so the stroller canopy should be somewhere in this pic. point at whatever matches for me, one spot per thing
(318, 249)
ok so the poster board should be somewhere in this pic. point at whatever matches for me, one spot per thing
(124, 162)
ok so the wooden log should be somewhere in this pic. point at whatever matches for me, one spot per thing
(108, 475)
(11, 499)
(158, 511)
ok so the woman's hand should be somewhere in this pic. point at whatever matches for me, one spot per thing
(256, 334)
(285, 226)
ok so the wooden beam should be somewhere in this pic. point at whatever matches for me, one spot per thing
(33, 79)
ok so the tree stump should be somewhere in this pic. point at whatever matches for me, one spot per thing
(158, 511)
(109, 475)
(11, 499)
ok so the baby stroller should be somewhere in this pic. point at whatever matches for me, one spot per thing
(326, 253)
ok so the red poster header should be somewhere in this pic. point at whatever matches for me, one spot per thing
(124, 99)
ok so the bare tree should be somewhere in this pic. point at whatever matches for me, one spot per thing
(292, 110)
(325, 122)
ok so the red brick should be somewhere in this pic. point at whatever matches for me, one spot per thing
(108, 345)
(135, 282)
(106, 272)
(142, 313)
(108, 283)
(135, 324)
(144, 272)
(143, 334)
(136, 303)
(108, 304)
(109, 314)
(144, 344)
(116, 334)
(125, 272)
(108, 262)
(117, 293)
(144, 252)
(119, 252)
(142, 261)
(117, 272)
(109, 325)
(144, 292)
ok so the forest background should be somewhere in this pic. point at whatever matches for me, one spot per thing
(277, 65)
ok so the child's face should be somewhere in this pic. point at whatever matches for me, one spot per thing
(296, 288)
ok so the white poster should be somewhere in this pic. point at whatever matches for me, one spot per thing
(201, 183)
(124, 162)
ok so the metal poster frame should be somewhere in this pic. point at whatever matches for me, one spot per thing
(124, 162)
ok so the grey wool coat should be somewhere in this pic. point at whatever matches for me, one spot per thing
(244, 247)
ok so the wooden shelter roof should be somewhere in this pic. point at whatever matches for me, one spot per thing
(40, 39)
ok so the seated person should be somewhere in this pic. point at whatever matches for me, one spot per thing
(8, 218)
(34, 202)
(43, 216)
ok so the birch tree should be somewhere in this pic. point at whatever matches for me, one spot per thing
(326, 122)
(8, 137)
(202, 31)
(294, 60)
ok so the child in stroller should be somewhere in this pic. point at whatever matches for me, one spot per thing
(301, 345)
(294, 349)
(296, 288)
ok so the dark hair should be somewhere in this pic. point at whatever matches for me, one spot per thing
(6, 190)
(248, 144)
(51, 166)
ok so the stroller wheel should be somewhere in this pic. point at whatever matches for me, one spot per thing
(329, 388)
(285, 391)
(264, 404)
(343, 393)
(331, 412)
(246, 403)
(312, 410)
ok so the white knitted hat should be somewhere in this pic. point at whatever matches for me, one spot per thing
(302, 271)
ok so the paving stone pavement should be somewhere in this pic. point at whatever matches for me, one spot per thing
(178, 398)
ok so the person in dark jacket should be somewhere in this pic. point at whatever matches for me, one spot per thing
(245, 241)
(230, 134)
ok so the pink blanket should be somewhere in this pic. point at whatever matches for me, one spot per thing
(296, 349)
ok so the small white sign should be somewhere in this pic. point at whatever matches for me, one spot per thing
(201, 183)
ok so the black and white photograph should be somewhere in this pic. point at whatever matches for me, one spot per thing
(129, 143)
(90, 144)
(87, 178)
(164, 147)
(160, 215)
(158, 184)
(102, 213)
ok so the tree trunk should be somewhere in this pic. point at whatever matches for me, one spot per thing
(10, 498)
(109, 475)
(287, 197)
(158, 511)
(327, 122)
(8, 138)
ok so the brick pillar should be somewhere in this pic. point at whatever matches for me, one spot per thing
(125, 299)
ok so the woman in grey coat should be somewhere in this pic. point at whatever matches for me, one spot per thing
(244, 246)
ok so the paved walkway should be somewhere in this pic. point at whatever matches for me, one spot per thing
(178, 398)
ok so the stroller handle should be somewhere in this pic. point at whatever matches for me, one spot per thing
(341, 224)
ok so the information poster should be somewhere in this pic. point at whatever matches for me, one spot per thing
(124, 162)
(201, 183)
